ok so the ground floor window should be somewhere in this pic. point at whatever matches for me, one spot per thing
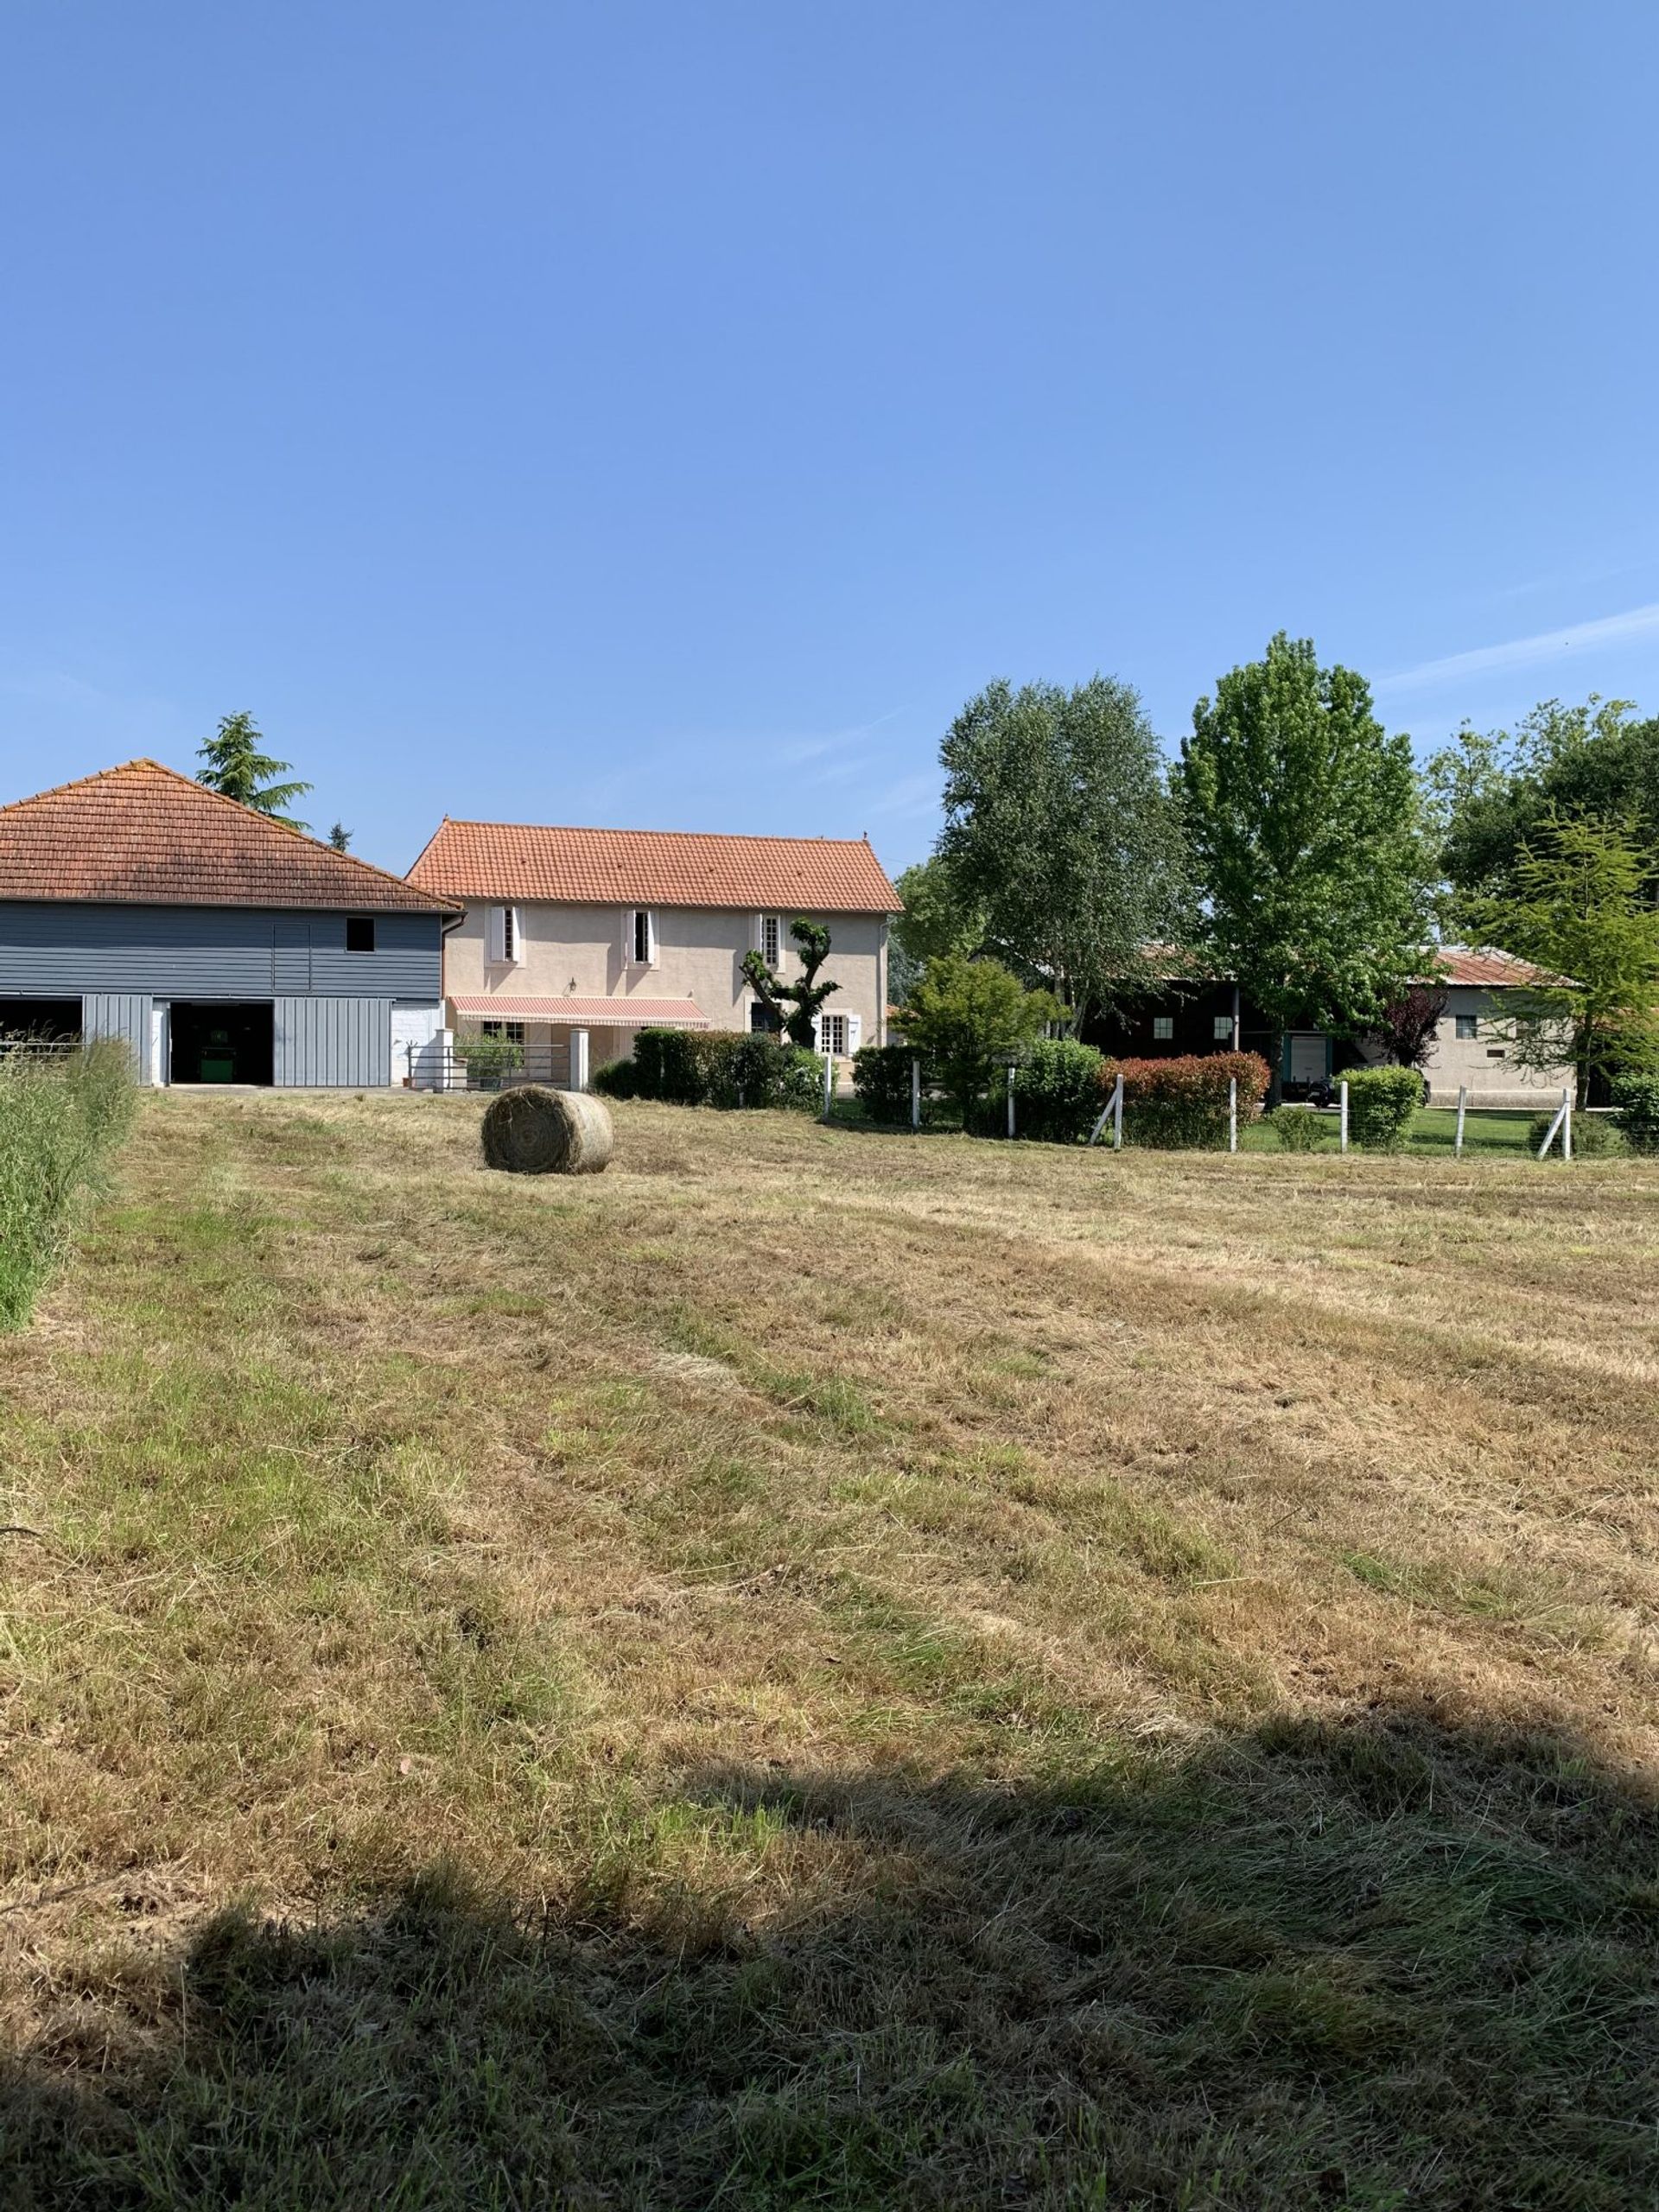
(1223, 1028)
(1163, 1027)
(507, 1033)
(832, 1034)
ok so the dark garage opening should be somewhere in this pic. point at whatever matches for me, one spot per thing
(52, 1021)
(222, 1044)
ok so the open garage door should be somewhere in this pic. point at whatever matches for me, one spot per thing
(221, 1043)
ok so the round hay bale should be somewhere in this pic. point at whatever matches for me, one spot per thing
(532, 1131)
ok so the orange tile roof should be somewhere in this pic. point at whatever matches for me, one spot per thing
(142, 835)
(655, 867)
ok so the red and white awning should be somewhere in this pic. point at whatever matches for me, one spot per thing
(628, 1013)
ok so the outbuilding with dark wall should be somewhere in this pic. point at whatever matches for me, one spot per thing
(222, 946)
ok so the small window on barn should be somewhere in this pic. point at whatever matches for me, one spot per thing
(1468, 1025)
(1223, 1028)
(1163, 1026)
(359, 932)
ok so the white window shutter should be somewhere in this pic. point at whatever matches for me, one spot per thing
(758, 935)
(627, 936)
(817, 1032)
(651, 938)
(855, 1026)
(492, 934)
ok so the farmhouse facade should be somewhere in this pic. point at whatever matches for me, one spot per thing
(219, 945)
(1472, 1045)
(571, 940)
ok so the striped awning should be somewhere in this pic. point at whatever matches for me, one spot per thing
(624, 1012)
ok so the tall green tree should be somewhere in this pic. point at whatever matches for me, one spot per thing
(1060, 828)
(1579, 904)
(1490, 793)
(796, 1004)
(938, 919)
(238, 766)
(1302, 820)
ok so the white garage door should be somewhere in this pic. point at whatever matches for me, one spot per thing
(414, 1050)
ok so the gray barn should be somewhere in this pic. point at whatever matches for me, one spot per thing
(222, 946)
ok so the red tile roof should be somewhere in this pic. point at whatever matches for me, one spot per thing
(142, 835)
(655, 867)
(622, 1012)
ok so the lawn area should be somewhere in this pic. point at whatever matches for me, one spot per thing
(820, 1668)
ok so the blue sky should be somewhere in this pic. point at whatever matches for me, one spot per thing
(666, 415)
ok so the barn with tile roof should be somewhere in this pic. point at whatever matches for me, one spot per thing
(222, 946)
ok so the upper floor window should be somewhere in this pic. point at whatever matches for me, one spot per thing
(359, 932)
(1223, 1028)
(1163, 1026)
(772, 940)
(506, 942)
(1468, 1025)
(641, 938)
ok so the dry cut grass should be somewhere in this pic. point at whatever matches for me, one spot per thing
(828, 1669)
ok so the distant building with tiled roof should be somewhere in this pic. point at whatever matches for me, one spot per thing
(574, 939)
(220, 945)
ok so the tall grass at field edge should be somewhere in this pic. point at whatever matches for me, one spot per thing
(59, 1119)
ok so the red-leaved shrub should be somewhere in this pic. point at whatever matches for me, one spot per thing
(1182, 1101)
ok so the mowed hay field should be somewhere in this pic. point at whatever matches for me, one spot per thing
(818, 1669)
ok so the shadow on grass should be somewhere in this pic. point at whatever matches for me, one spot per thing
(1383, 1964)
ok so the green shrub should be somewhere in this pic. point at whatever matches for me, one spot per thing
(617, 1079)
(1595, 1136)
(1637, 1098)
(969, 1017)
(684, 1067)
(1180, 1103)
(1057, 1091)
(59, 1117)
(882, 1079)
(1381, 1104)
(1299, 1128)
(489, 1060)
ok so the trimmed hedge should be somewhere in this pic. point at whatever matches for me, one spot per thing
(1637, 1098)
(1381, 1104)
(882, 1079)
(1180, 1104)
(689, 1067)
(1057, 1091)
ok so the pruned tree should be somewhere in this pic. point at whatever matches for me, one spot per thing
(1410, 1024)
(796, 1004)
(239, 768)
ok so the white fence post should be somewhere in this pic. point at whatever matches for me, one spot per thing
(1560, 1116)
(1342, 1106)
(915, 1094)
(829, 1082)
(578, 1059)
(1010, 1097)
(1566, 1129)
(1117, 1114)
(1232, 1116)
(1463, 1102)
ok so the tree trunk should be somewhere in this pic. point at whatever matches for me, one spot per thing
(1275, 1069)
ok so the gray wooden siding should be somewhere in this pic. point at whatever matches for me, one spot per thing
(125, 1014)
(49, 950)
(346, 1043)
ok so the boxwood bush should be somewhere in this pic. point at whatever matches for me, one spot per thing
(1637, 1098)
(1057, 1091)
(1180, 1104)
(1381, 1104)
(882, 1079)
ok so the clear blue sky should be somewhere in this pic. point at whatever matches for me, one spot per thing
(665, 415)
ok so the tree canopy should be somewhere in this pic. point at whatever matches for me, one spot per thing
(1577, 903)
(1059, 828)
(1302, 823)
(968, 1017)
(1490, 793)
(937, 919)
(239, 768)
